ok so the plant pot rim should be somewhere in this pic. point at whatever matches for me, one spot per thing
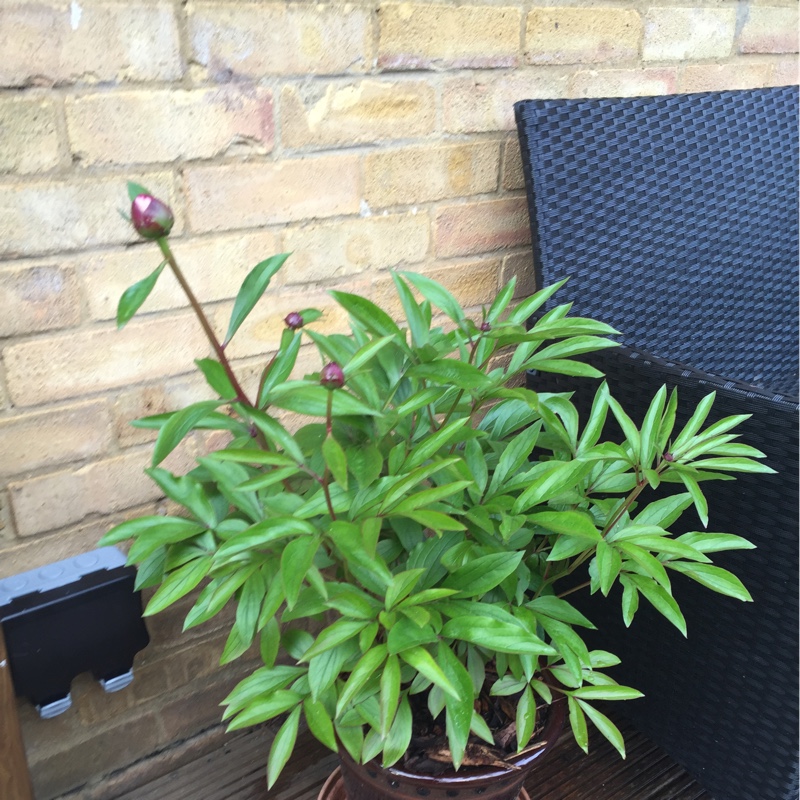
(480, 776)
(333, 788)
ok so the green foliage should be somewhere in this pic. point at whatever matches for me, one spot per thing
(402, 539)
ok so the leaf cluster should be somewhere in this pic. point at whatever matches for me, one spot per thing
(422, 530)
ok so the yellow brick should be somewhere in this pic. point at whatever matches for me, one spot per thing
(770, 30)
(356, 113)
(50, 216)
(785, 71)
(58, 499)
(165, 125)
(253, 39)
(718, 77)
(32, 441)
(625, 82)
(332, 250)
(679, 34)
(59, 367)
(582, 35)
(520, 265)
(513, 176)
(425, 173)
(471, 228)
(414, 36)
(38, 551)
(37, 298)
(29, 137)
(133, 404)
(485, 101)
(214, 267)
(249, 195)
(55, 42)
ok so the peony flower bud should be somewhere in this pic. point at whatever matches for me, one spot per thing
(668, 457)
(485, 326)
(151, 218)
(332, 376)
(294, 320)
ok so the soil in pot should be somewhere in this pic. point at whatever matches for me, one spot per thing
(486, 774)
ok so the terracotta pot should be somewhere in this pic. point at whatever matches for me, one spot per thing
(372, 782)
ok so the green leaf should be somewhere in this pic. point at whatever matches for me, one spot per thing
(451, 372)
(571, 523)
(276, 433)
(171, 529)
(630, 600)
(178, 425)
(401, 586)
(695, 422)
(281, 367)
(650, 428)
(312, 400)
(609, 564)
(493, 634)
(364, 311)
(178, 584)
(216, 377)
(365, 354)
(282, 747)
(296, 560)
(628, 427)
(422, 661)
(187, 491)
(335, 460)
(429, 446)
(557, 608)
(577, 722)
(482, 574)
(319, 723)
(613, 692)
(340, 631)
(133, 297)
(526, 718)
(715, 578)
(135, 189)
(436, 294)
(563, 366)
(732, 465)
(405, 634)
(363, 670)
(700, 502)
(527, 307)
(558, 477)
(706, 542)
(660, 599)
(605, 726)
(390, 692)
(253, 287)
(399, 735)
(665, 511)
(597, 420)
(459, 710)
(420, 333)
(501, 301)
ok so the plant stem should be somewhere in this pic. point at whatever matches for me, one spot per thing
(199, 313)
(575, 589)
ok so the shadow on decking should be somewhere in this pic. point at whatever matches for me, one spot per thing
(236, 771)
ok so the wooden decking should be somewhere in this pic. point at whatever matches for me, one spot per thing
(237, 772)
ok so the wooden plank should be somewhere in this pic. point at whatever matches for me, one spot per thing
(15, 780)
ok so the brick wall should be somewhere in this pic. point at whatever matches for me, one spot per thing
(361, 136)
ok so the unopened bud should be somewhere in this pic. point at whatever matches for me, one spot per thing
(151, 218)
(332, 376)
(293, 320)
(668, 457)
(485, 326)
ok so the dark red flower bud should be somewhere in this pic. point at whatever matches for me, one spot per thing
(151, 218)
(293, 320)
(485, 326)
(332, 376)
(668, 457)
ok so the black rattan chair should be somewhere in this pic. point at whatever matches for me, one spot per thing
(676, 219)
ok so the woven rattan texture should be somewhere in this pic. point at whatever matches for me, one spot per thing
(676, 219)
(724, 701)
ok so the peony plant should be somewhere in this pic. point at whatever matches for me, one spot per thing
(414, 543)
